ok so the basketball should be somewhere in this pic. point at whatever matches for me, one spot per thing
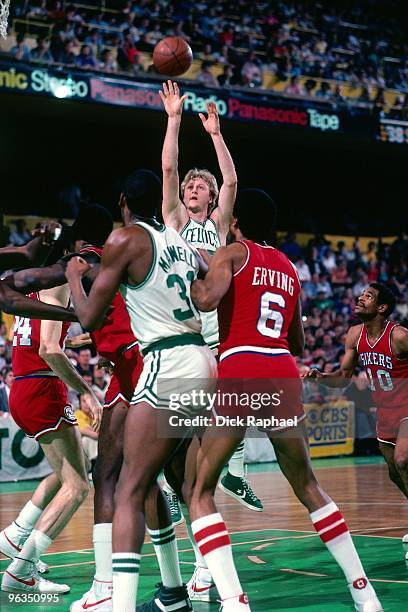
(172, 56)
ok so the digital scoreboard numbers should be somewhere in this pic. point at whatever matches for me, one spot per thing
(393, 131)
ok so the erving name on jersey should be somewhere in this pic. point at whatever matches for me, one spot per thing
(274, 278)
(173, 254)
(378, 359)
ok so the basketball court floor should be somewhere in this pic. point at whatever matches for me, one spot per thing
(282, 564)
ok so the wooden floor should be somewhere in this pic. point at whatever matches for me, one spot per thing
(368, 500)
(281, 562)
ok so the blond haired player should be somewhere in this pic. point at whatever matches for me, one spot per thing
(202, 216)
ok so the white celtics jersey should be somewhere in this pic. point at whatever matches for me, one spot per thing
(160, 307)
(205, 236)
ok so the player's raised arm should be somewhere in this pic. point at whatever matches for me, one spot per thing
(173, 210)
(208, 293)
(51, 351)
(113, 269)
(222, 215)
(342, 376)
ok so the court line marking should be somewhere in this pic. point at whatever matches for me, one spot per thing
(255, 559)
(305, 534)
(292, 571)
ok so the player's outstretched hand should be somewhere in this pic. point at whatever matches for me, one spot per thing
(172, 101)
(312, 374)
(76, 267)
(49, 232)
(211, 123)
(96, 410)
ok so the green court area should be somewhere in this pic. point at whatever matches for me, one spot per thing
(280, 570)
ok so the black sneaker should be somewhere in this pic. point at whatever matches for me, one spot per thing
(240, 489)
(167, 597)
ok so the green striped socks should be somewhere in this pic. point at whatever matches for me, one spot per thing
(165, 547)
(125, 568)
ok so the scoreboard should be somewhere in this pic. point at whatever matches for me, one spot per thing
(393, 131)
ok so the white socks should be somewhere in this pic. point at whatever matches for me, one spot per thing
(236, 465)
(102, 541)
(125, 568)
(199, 559)
(35, 546)
(214, 543)
(28, 517)
(333, 531)
(165, 546)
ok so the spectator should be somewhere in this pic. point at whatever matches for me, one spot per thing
(86, 59)
(324, 92)
(84, 365)
(329, 260)
(108, 63)
(20, 51)
(227, 78)
(100, 382)
(361, 285)
(20, 235)
(252, 71)
(290, 247)
(206, 77)
(295, 87)
(303, 270)
(67, 55)
(340, 275)
(5, 390)
(88, 435)
(42, 51)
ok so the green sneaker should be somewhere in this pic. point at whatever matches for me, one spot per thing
(174, 505)
(240, 489)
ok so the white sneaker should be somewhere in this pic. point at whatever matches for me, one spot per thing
(367, 601)
(32, 583)
(236, 604)
(405, 539)
(12, 543)
(201, 586)
(97, 598)
(372, 605)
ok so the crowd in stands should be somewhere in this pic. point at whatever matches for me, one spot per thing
(363, 43)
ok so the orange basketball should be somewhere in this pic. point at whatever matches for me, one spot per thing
(172, 56)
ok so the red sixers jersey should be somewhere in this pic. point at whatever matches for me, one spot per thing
(385, 371)
(116, 334)
(258, 308)
(25, 357)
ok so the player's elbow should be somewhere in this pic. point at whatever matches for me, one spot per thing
(231, 181)
(49, 351)
(169, 168)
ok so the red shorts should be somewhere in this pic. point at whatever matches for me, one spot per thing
(266, 387)
(389, 421)
(39, 404)
(126, 371)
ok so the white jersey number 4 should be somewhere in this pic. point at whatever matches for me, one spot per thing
(22, 332)
(269, 314)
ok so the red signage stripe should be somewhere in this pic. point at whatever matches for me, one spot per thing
(327, 536)
(209, 531)
(214, 544)
(329, 520)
